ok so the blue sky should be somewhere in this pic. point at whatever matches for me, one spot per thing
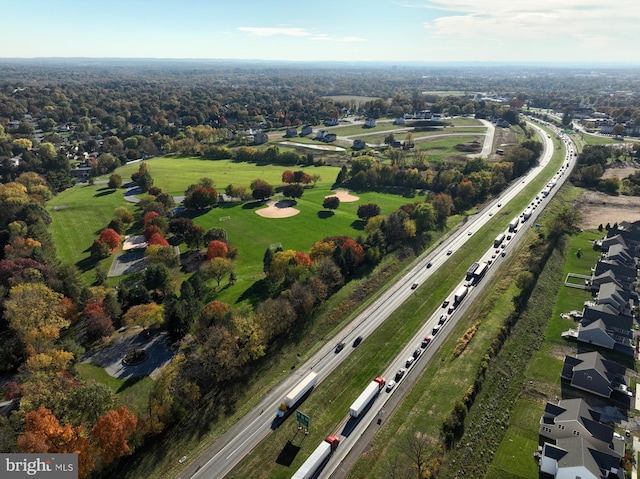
(327, 30)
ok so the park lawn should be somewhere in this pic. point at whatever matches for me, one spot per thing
(173, 174)
(438, 148)
(355, 130)
(133, 393)
(465, 121)
(252, 234)
(78, 215)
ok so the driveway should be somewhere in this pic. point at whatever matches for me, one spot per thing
(110, 357)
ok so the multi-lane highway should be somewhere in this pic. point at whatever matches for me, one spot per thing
(239, 440)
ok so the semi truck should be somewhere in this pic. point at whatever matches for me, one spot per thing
(526, 214)
(297, 393)
(367, 395)
(499, 239)
(459, 295)
(472, 269)
(514, 224)
(546, 191)
(317, 459)
(479, 273)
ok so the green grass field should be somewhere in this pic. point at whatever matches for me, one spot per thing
(133, 393)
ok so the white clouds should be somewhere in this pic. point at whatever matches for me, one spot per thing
(300, 32)
(536, 30)
(271, 31)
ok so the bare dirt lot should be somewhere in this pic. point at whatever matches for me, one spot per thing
(598, 208)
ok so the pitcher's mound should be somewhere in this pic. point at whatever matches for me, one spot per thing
(278, 209)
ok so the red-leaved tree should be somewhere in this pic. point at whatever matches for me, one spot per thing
(157, 239)
(217, 249)
(111, 238)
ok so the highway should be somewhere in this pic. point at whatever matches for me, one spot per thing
(350, 444)
(247, 433)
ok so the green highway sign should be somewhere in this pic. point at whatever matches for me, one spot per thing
(303, 419)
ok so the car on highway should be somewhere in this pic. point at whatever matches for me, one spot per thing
(504, 253)
(429, 265)
(508, 237)
(390, 385)
(417, 353)
(445, 303)
(499, 205)
(426, 341)
(400, 373)
(339, 347)
(442, 319)
(469, 233)
(449, 252)
(414, 285)
(451, 309)
(357, 341)
(409, 361)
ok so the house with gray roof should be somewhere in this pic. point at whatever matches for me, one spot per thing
(575, 457)
(605, 243)
(615, 298)
(624, 273)
(572, 418)
(618, 252)
(593, 373)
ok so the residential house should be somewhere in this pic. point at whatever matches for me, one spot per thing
(370, 123)
(615, 298)
(625, 274)
(574, 457)
(291, 132)
(358, 144)
(329, 137)
(600, 327)
(618, 252)
(400, 121)
(593, 373)
(306, 130)
(15, 160)
(331, 122)
(260, 137)
(608, 241)
(320, 134)
(573, 418)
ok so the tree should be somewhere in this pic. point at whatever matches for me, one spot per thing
(293, 191)
(217, 268)
(32, 311)
(43, 433)
(111, 238)
(159, 254)
(99, 250)
(99, 325)
(331, 202)
(619, 130)
(287, 176)
(148, 216)
(217, 249)
(368, 210)
(112, 433)
(261, 190)
(156, 239)
(158, 277)
(144, 315)
(200, 198)
(389, 139)
(115, 181)
(342, 176)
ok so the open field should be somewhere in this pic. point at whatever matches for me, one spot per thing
(133, 393)
(599, 208)
(86, 210)
(90, 208)
(174, 174)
